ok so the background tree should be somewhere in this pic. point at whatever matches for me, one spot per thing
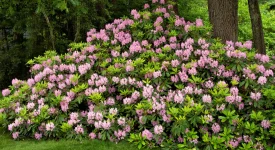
(257, 27)
(223, 15)
(30, 27)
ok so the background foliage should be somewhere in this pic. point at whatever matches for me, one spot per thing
(24, 32)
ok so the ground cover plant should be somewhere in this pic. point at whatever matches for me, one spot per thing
(154, 80)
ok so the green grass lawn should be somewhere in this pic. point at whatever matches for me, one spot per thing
(7, 143)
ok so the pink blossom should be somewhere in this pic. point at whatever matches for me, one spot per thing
(102, 89)
(115, 53)
(178, 22)
(216, 128)
(98, 116)
(92, 135)
(255, 96)
(180, 139)
(135, 47)
(158, 129)
(178, 98)
(154, 1)
(234, 143)
(246, 138)
(84, 68)
(147, 134)
(52, 110)
(11, 126)
(15, 135)
(199, 23)
(110, 101)
(234, 91)
(188, 90)
(186, 28)
(31, 82)
(129, 68)
(61, 85)
(158, 106)
(206, 99)
(79, 129)
(127, 128)
(50, 126)
(268, 73)
(248, 44)
(106, 125)
(208, 118)
(30, 105)
(264, 58)
(57, 93)
(230, 99)
(265, 124)
(198, 91)
(195, 141)
(173, 39)
(74, 116)
(139, 112)
(125, 54)
(175, 63)
(174, 78)
(192, 71)
(123, 81)
(120, 134)
(166, 15)
(113, 111)
(127, 101)
(6, 92)
(133, 12)
(209, 84)
(37, 135)
(157, 74)
(262, 80)
(121, 121)
(98, 124)
(64, 105)
(147, 91)
(162, 1)
(50, 85)
(135, 95)
(241, 106)
(146, 6)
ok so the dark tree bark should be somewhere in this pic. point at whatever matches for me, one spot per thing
(77, 37)
(223, 15)
(176, 8)
(257, 27)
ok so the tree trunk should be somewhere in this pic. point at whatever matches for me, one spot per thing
(50, 28)
(223, 15)
(77, 37)
(176, 8)
(257, 27)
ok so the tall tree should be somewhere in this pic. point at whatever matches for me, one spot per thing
(223, 15)
(257, 27)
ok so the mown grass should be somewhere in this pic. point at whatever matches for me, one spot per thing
(7, 143)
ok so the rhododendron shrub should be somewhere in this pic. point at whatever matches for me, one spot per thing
(153, 79)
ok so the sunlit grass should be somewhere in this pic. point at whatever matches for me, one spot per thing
(7, 143)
